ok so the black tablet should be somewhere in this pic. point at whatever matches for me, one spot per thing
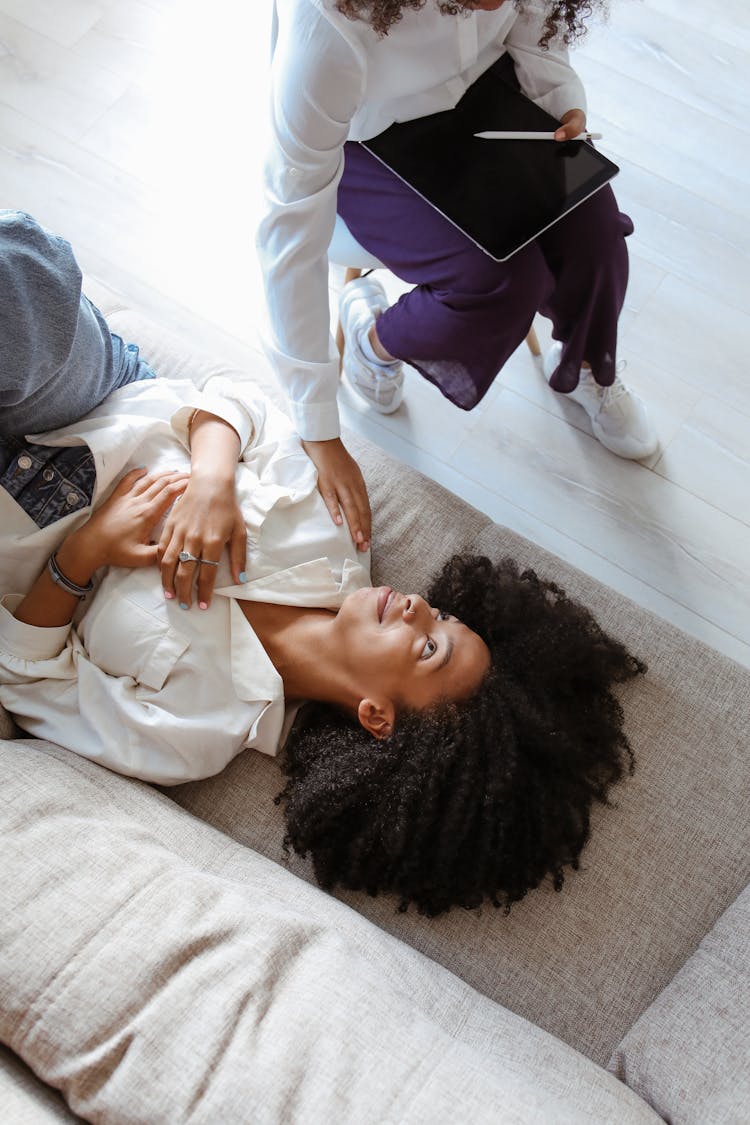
(500, 193)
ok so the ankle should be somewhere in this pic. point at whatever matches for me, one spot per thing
(373, 350)
(380, 352)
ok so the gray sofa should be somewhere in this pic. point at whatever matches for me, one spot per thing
(162, 960)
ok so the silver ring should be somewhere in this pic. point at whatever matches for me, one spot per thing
(185, 556)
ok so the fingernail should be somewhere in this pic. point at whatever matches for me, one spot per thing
(184, 605)
(243, 576)
(365, 546)
(202, 605)
(360, 537)
(338, 520)
(168, 594)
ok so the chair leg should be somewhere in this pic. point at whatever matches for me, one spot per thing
(533, 343)
(350, 275)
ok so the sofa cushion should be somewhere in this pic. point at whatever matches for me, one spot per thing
(688, 1053)
(24, 1100)
(156, 972)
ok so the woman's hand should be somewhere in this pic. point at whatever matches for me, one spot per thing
(206, 518)
(342, 485)
(119, 532)
(571, 124)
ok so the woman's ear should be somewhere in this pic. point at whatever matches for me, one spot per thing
(377, 718)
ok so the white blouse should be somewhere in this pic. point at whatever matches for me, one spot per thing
(334, 80)
(136, 683)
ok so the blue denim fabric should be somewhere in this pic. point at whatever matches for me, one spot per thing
(127, 366)
(48, 482)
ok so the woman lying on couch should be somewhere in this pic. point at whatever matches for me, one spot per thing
(458, 741)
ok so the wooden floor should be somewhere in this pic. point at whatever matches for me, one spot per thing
(134, 128)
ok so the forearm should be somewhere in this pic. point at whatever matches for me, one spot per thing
(214, 448)
(48, 604)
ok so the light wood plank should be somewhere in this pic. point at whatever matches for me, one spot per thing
(45, 81)
(727, 21)
(676, 59)
(65, 21)
(697, 336)
(686, 236)
(678, 144)
(710, 457)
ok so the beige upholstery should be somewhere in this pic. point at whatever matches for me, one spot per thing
(688, 1054)
(157, 973)
(24, 1100)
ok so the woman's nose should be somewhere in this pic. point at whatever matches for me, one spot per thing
(412, 607)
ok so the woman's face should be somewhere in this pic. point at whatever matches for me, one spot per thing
(405, 651)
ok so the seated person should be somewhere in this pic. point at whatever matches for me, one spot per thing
(456, 743)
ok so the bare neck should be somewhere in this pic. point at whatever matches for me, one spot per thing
(301, 646)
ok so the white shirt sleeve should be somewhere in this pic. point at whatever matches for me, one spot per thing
(544, 76)
(316, 86)
(239, 402)
(150, 725)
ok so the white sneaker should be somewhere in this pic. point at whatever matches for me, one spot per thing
(619, 418)
(362, 300)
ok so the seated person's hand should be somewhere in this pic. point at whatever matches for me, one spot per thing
(119, 532)
(571, 124)
(342, 485)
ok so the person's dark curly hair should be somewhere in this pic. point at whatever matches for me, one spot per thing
(478, 799)
(564, 17)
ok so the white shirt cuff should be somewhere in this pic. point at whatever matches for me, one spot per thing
(315, 421)
(28, 642)
(563, 98)
(222, 408)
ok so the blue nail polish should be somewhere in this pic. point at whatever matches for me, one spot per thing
(184, 605)
(243, 576)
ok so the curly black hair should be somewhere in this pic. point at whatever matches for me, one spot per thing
(480, 799)
(564, 17)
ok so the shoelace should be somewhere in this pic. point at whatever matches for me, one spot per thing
(617, 390)
(611, 394)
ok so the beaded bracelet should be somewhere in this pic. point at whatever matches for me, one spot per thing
(64, 583)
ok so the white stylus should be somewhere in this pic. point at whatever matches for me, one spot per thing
(521, 136)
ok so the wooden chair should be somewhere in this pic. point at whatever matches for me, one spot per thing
(344, 250)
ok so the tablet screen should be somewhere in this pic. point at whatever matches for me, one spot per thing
(500, 193)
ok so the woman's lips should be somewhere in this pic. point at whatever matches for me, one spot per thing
(383, 599)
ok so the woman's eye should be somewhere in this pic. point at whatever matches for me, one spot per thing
(443, 616)
(429, 649)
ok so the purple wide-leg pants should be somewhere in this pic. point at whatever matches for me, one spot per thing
(468, 313)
